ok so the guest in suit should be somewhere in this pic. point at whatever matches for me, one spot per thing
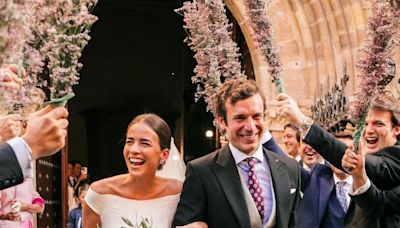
(326, 197)
(309, 157)
(379, 203)
(382, 162)
(216, 189)
(291, 140)
(44, 135)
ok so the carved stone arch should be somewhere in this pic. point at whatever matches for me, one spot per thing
(318, 41)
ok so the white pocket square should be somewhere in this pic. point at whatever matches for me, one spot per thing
(292, 190)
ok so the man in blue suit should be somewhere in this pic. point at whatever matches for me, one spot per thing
(326, 197)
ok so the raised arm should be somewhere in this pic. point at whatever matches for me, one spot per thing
(365, 194)
(382, 171)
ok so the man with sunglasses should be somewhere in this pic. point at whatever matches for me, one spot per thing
(382, 146)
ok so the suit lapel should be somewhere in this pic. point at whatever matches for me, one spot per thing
(229, 180)
(282, 188)
(326, 186)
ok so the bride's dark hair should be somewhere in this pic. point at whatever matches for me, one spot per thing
(159, 126)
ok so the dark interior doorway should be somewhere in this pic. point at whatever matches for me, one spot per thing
(136, 62)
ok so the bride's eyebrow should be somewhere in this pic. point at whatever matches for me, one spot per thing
(145, 140)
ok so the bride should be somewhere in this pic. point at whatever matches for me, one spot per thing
(138, 198)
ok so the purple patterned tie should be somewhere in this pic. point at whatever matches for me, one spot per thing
(254, 187)
(341, 195)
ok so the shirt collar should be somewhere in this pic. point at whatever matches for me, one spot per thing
(266, 137)
(239, 156)
(348, 180)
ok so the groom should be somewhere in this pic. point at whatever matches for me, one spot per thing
(241, 184)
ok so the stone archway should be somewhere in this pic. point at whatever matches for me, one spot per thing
(318, 40)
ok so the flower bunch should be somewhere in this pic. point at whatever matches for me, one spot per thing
(61, 31)
(15, 20)
(373, 66)
(217, 55)
(262, 34)
(14, 29)
(142, 223)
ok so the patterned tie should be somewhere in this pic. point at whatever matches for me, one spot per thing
(341, 194)
(254, 187)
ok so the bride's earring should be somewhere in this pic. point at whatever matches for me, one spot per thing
(161, 164)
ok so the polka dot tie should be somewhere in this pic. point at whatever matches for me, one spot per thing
(254, 187)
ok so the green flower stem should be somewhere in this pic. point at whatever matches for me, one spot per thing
(357, 134)
(60, 102)
(19, 71)
(279, 85)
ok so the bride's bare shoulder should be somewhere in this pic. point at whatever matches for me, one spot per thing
(173, 186)
(108, 185)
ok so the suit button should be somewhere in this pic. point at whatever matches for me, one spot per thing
(6, 182)
(13, 181)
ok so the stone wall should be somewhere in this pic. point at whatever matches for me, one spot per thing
(317, 39)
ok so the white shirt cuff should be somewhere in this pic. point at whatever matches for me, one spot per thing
(24, 155)
(305, 133)
(361, 189)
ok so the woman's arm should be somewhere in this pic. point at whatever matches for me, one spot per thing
(32, 208)
(89, 218)
(36, 206)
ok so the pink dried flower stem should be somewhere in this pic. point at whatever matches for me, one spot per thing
(262, 34)
(61, 32)
(382, 29)
(14, 29)
(15, 18)
(217, 55)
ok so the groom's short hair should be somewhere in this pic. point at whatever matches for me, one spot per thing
(233, 91)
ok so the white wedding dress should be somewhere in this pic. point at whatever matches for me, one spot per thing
(116, 211)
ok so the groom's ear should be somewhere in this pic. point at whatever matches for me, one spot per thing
(221, 122)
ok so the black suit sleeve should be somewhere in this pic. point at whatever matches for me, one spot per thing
(383, 168)
(10, 171)
(381, 203)
(191, 206)
(325, 144)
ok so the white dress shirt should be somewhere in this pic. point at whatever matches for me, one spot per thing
(24, 155)
(347, 187)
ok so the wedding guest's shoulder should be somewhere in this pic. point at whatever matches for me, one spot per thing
(107, 185)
